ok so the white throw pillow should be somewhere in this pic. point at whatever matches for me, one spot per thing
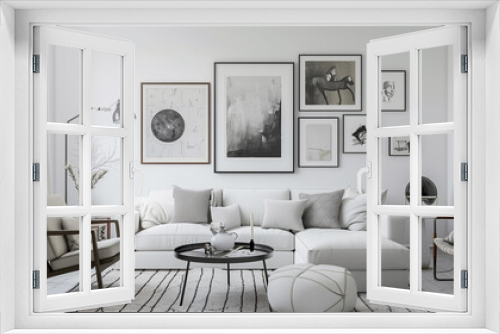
(353, 210)
(284, 214)
(227, 215)
(450, 238)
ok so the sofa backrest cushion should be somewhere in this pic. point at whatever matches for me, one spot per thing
(56, 244)
(252, 200)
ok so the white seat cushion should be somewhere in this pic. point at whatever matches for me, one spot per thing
(107, 248)
(278, 239)
(347, 249)
(170, 236)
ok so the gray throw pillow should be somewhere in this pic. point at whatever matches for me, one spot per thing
(191, 206)
(322, 210)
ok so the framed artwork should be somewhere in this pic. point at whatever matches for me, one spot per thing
(399, 146)
(175, 123)
(330, 82)
(253, 119)
(318, 142)
(354, 133)
(393, 90)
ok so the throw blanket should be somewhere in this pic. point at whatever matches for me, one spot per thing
(153, 213)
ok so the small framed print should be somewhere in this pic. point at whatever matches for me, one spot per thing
(393, 90)
(175, 123)
(399, 146)
(318, 142)
(330, 82)
(355, 134)
(254, 118)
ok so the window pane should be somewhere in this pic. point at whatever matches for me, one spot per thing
(106, 89)
(394, 90)
(64, 84)
(436, 89)
(437, 273)
(394, 170)
(63, 167)
(106, 231)
(394, 253)
(63, 252)
(437, 170)
(106, 170)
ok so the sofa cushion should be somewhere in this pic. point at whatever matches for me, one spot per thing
(322, 210)
(286, 215)
(191, 205)
(169, 236)
(278, 239)
(107, 249)
(229, 216)
(252, 200)
(347, 249)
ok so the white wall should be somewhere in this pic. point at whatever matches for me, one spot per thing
(167, 54)
(7, 168)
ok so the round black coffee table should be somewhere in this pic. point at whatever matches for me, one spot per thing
(241, 253)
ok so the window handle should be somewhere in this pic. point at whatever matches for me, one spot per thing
(133, 170)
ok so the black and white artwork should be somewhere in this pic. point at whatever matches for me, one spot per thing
(318, 142)
(355, 134)
(253, 118)
(330, 82)
(393, 90)
(175, 123)
(399, 146)
(253, 122)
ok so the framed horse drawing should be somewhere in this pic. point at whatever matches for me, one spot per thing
(330, 82)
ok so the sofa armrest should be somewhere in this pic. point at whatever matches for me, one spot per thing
(137, 221)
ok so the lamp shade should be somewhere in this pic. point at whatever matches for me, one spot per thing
(428, 189)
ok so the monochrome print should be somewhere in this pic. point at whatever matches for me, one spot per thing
(253, 121)
(355, 133)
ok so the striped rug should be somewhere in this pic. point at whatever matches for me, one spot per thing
(159, 291)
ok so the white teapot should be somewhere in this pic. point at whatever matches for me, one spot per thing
(222, 240)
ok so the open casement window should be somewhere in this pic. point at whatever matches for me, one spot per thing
(83, 153)
(422, 134)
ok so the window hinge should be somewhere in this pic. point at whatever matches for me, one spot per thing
(465, 279)
(464, 171)
(36, 63)
(36, 172)
(465, 64)
(36, 279)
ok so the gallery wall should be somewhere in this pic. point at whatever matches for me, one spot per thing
(187, 54)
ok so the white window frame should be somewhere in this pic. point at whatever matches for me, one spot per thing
(475, 322)
(87, 43)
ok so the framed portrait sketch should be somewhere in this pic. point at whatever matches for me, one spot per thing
(355, 134)
(330, 82)
(393, 90)
(253, 119)
(318, 142)
(399, 146)
(175, 123)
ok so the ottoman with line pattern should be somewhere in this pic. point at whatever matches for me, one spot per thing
(307, 287)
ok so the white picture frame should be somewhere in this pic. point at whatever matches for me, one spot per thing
(399, 146)
(318, 142)
(175, 123)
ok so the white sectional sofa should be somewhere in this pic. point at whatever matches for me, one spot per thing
(154, 247)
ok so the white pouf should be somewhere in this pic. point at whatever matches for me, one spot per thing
(307, 287)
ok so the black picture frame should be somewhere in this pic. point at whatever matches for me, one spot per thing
(398, 155)
(301, 136)
(401, 103)
(346, 123)
(330, 60)
(288, 117)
